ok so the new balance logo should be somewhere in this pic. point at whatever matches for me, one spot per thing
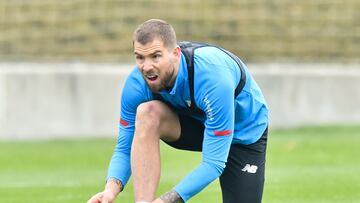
(250, 168)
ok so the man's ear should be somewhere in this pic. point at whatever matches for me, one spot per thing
(177, 52)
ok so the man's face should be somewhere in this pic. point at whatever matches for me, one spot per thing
(157, 64)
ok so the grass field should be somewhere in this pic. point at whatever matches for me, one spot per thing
(313, 164)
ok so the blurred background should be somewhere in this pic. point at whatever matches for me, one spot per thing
(257, 30)
(63, 64)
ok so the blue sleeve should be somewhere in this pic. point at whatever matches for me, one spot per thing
(133, 94)
(216, 98)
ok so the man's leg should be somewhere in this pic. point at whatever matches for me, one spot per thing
(243, 178)
(154, 121)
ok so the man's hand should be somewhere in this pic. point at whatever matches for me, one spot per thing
(112, 188)
(102, 197)
(158, 200)
(97, 198)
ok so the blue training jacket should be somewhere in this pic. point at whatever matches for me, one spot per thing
(227, 120)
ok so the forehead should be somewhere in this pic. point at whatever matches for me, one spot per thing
(148, 48)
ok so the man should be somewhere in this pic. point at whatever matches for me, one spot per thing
(200, 98)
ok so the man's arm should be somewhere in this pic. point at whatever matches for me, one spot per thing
(114, 185)
(112, 188)
(133, 94)
(171, 197)
(119, 168)
(216, 98)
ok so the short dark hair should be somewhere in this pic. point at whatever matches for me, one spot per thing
(156, 29)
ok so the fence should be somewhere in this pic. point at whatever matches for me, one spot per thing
(77, 99)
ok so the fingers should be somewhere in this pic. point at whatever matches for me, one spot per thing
(105, 200)
(107, 197)
(97, 198)
(102, 197)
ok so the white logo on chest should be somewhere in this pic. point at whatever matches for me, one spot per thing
(188, 102)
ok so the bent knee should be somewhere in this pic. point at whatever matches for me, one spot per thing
(149, 114)
(157, 118)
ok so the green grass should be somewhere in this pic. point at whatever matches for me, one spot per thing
(313, 164)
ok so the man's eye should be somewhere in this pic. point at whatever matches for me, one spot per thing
(156, 56)
(139, 58)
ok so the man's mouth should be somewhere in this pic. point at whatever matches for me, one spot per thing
(152, 77)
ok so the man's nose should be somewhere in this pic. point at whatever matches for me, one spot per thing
(147, 65)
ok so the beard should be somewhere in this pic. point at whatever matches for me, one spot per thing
(165, 81)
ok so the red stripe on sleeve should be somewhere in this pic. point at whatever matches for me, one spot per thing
(123, 123)
(222, 133)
